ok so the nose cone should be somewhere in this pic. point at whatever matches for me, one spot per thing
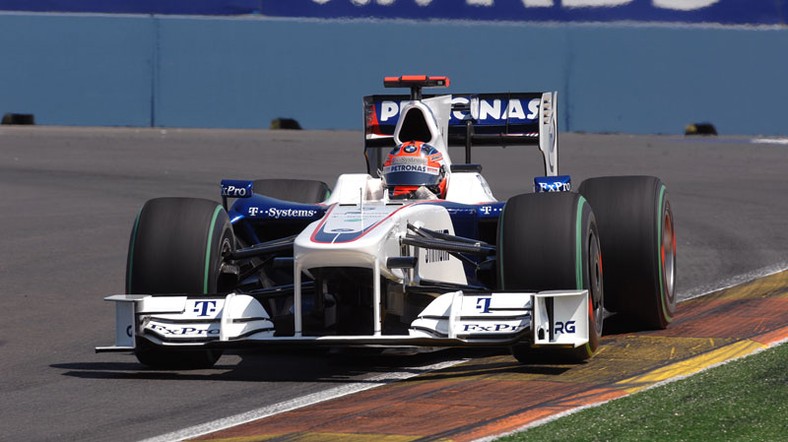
(351, 236)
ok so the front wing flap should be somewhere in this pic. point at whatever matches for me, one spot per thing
(544, 319)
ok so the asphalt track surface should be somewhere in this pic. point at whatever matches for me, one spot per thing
(68, 198)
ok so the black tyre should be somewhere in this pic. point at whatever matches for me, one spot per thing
(639, 242)
(549, 241)
(299, 191)
(176, 247)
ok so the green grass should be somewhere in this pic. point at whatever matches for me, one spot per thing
(745, 400)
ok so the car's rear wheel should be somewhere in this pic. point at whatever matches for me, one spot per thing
(176, 247)
(549, 241)
(638, 238)
(295, 190)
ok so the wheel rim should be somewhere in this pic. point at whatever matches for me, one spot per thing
(668, 254)
(224, 284)
(595, 280)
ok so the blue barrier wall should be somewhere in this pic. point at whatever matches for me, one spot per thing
(243, 72)
(71, 70)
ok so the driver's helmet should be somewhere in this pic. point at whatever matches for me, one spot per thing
(414, 164)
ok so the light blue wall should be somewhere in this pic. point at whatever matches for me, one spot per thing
(241, 73)
(77, 70)
(658, 80)
(244, 73)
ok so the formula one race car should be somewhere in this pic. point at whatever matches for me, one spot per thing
(416, 253)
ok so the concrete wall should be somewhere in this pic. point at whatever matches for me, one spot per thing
(242, 72)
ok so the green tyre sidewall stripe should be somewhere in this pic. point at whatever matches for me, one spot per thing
(209, 248)
(579, 241)
(567, 257)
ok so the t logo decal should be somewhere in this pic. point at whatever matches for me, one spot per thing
(483, 304)
(203, 308)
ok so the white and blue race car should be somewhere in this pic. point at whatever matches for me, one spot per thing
(416, 253)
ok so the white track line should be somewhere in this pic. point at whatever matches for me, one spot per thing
(770, 140)
(310, 399)
(733, 281)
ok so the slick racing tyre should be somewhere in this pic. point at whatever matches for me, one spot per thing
(298, 191)
(549, 241)
(639, 242)
(176, 246)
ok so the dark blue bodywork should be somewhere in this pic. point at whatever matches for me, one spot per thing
(251, 215)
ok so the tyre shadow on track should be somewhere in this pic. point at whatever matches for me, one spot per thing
(271, 366)
(346, 366)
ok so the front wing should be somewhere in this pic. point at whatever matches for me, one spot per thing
(456, 319)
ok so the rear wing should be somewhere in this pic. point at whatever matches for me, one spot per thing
(489, 119)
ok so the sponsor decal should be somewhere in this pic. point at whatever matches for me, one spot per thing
(431, 255)
(234, 192)
(491, 111)
(183, 331)
(409, 160)
(497, 109)
(277, 213)
(562, 183)
(204, 308)
(490, 210)
(567, 327)
(492, 328)
(410, 148)
(483, 304)
(411, 168)
(687, 11)
(237, 189)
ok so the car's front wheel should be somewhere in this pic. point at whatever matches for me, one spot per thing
(549, 241)
(176, 247)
